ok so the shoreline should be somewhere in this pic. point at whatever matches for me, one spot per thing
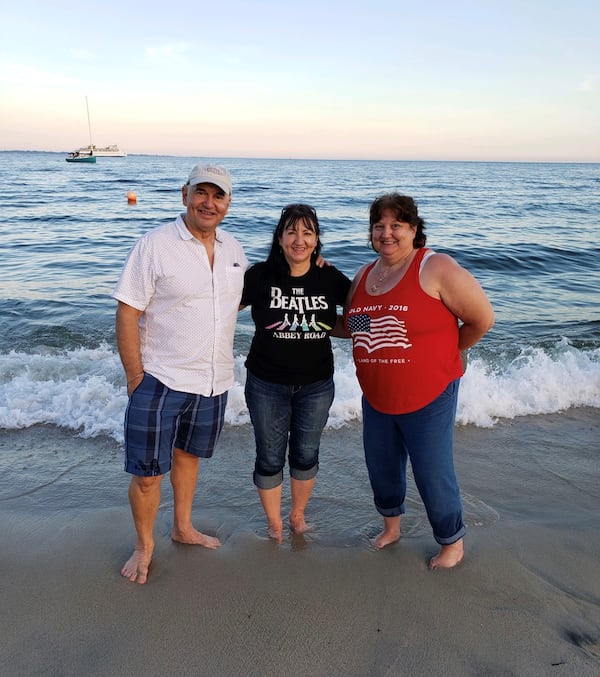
(526, 599)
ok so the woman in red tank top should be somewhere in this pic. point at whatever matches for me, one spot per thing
(411, 314)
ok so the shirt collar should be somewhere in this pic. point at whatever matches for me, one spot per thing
(185, 234)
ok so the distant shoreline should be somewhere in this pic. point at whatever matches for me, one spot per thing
(330, 159)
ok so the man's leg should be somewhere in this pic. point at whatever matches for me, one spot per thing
(184, 477)
(144, 499)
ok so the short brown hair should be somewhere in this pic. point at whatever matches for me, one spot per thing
(404, 208)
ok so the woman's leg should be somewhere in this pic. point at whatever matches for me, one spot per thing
(270, 410)
(310, 410)
(389, 534)
(385, 456)
(429, 435)
(301, 491)
(271, 503)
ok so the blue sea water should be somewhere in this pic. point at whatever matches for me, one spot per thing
(528, 232)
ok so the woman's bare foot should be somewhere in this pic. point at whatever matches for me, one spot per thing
(390, 533)
(384, 538)
(136, 567)
(448, 556)
(297, 523)
(192, 536)
(275, 530)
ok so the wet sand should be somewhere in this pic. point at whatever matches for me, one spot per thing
(525, 601)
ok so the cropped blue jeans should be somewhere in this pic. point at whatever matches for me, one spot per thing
(283, 414)
(426, 437)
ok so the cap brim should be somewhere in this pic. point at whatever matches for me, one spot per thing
(211, 180)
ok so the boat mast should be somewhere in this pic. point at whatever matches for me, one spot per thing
(88, 116)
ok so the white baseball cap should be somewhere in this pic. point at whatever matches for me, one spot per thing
(209, 173)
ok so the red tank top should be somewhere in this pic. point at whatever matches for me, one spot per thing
(404, 344)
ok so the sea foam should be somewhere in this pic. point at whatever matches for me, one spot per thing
(83, 390)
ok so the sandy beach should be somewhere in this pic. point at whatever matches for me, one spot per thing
(525, 601)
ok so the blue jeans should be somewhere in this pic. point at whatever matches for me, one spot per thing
(426, 437)
(283, 412)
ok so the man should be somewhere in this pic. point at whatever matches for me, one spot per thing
(178, 295)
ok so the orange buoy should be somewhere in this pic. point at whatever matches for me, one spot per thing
(131, 198)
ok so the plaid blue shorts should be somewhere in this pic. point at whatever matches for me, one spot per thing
(158, 419)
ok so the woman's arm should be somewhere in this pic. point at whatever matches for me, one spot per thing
(442, 277)
(339, 330)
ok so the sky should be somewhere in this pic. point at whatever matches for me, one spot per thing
(383, 79)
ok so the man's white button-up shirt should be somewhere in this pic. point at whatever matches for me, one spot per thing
(189, 310)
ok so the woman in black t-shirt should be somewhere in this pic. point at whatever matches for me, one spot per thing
(289, 384)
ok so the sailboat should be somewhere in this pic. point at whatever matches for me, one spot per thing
(75, 156)
(91, 152)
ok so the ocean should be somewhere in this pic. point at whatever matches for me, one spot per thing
(528, 232)
(525, 600)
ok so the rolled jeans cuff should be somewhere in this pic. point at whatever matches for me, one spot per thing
(304, 475)
(268, 481)
(451, 539)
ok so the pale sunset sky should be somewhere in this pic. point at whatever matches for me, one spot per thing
(514, 80)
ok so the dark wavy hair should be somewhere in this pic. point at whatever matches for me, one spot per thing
(290, 215)
(404, 208)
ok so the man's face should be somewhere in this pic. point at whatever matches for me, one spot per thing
(207, 205)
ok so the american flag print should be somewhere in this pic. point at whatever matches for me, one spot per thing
(382, 332)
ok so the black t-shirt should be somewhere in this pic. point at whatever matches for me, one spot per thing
(294, 317)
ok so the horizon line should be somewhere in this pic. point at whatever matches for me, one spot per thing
(321, 159)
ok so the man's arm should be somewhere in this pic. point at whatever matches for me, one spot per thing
(129, 344)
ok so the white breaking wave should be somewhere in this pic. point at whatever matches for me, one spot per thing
(84, 389)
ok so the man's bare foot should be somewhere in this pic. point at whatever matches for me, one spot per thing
(298, 524)
(448, 556)
(136, 567)
(192, 536)
(275, 530)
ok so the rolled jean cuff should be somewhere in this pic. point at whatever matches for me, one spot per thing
(304, 475)
(452, 539)
(268, 481)
(391, 512)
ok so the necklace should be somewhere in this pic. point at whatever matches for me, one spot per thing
(386, 271)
